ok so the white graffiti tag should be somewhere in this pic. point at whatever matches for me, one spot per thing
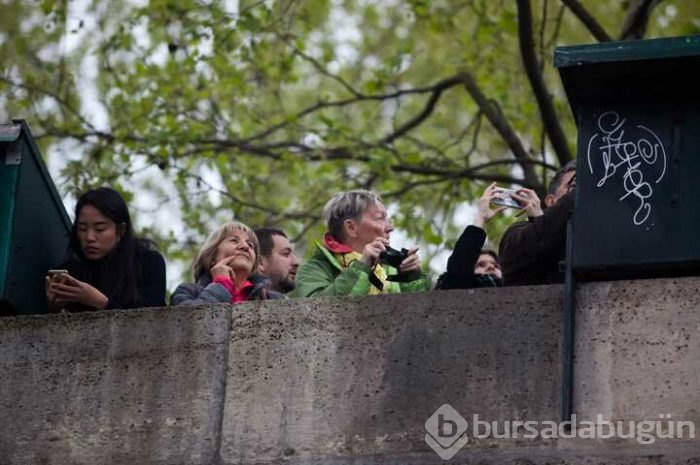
(609, 152)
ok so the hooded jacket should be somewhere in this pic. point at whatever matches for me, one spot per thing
(322, 275)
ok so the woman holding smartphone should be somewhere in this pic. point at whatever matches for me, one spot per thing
(109, 267)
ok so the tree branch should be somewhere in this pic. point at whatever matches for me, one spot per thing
(637, 19)
(276, 150)
(240, 201)
(63, 103)
(319, 67)
(509, 161)
(437, 91)
(474, 126)
(557, 27)
(589, 21)
(543, 23)
(549, 116)
(344, 102)
(502, 126)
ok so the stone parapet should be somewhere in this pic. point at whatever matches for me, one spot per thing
(349, 380)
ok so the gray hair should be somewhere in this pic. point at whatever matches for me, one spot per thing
(556, 180)
(347, 205)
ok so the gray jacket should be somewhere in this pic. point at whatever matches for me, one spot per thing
(206, 292)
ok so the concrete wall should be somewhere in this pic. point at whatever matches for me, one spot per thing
(638, 350)
(113, 387)
(348, 380)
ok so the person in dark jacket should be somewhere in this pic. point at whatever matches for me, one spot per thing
(470, 265)
(109, 268)
(531, 250)
(225, 270)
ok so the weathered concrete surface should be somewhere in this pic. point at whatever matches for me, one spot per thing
(638, 350)
(120, 387)
(349, 381)
(347, 377)
(575, 452)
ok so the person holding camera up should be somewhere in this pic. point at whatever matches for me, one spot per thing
(355, 257)
(471, 266)
(532, 250)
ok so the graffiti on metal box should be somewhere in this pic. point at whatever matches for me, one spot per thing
(631, 154)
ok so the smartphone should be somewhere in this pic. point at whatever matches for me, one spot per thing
(53, 273)
(505, 198)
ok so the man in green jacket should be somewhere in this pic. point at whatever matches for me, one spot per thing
(348, 261)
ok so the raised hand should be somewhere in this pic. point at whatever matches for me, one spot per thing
(411, 262)
(371, 252)
(528, 199)
(484, 212)
(221, 268)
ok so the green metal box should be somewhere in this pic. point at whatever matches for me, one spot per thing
(34, 225)
(637, 109)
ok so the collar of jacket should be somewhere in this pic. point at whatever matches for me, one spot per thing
(258, 281)
(334, 245)
(329, 256)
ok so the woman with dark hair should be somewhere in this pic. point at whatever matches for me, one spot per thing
(109, 267)
(470, 265)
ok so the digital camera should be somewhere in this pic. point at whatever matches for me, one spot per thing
(393, 257)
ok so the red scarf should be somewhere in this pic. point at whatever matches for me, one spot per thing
(334, 245)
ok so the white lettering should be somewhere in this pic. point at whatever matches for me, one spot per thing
(615, 152)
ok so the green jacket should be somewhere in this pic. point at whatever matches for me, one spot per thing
(322, 275)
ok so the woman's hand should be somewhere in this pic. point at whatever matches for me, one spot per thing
(528, 199)
(54, 306)
(371, 252)
(484, 212)
(411, 262)
(221, 268)
(68, 289)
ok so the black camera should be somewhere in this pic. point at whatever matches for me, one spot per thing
(393, 257)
